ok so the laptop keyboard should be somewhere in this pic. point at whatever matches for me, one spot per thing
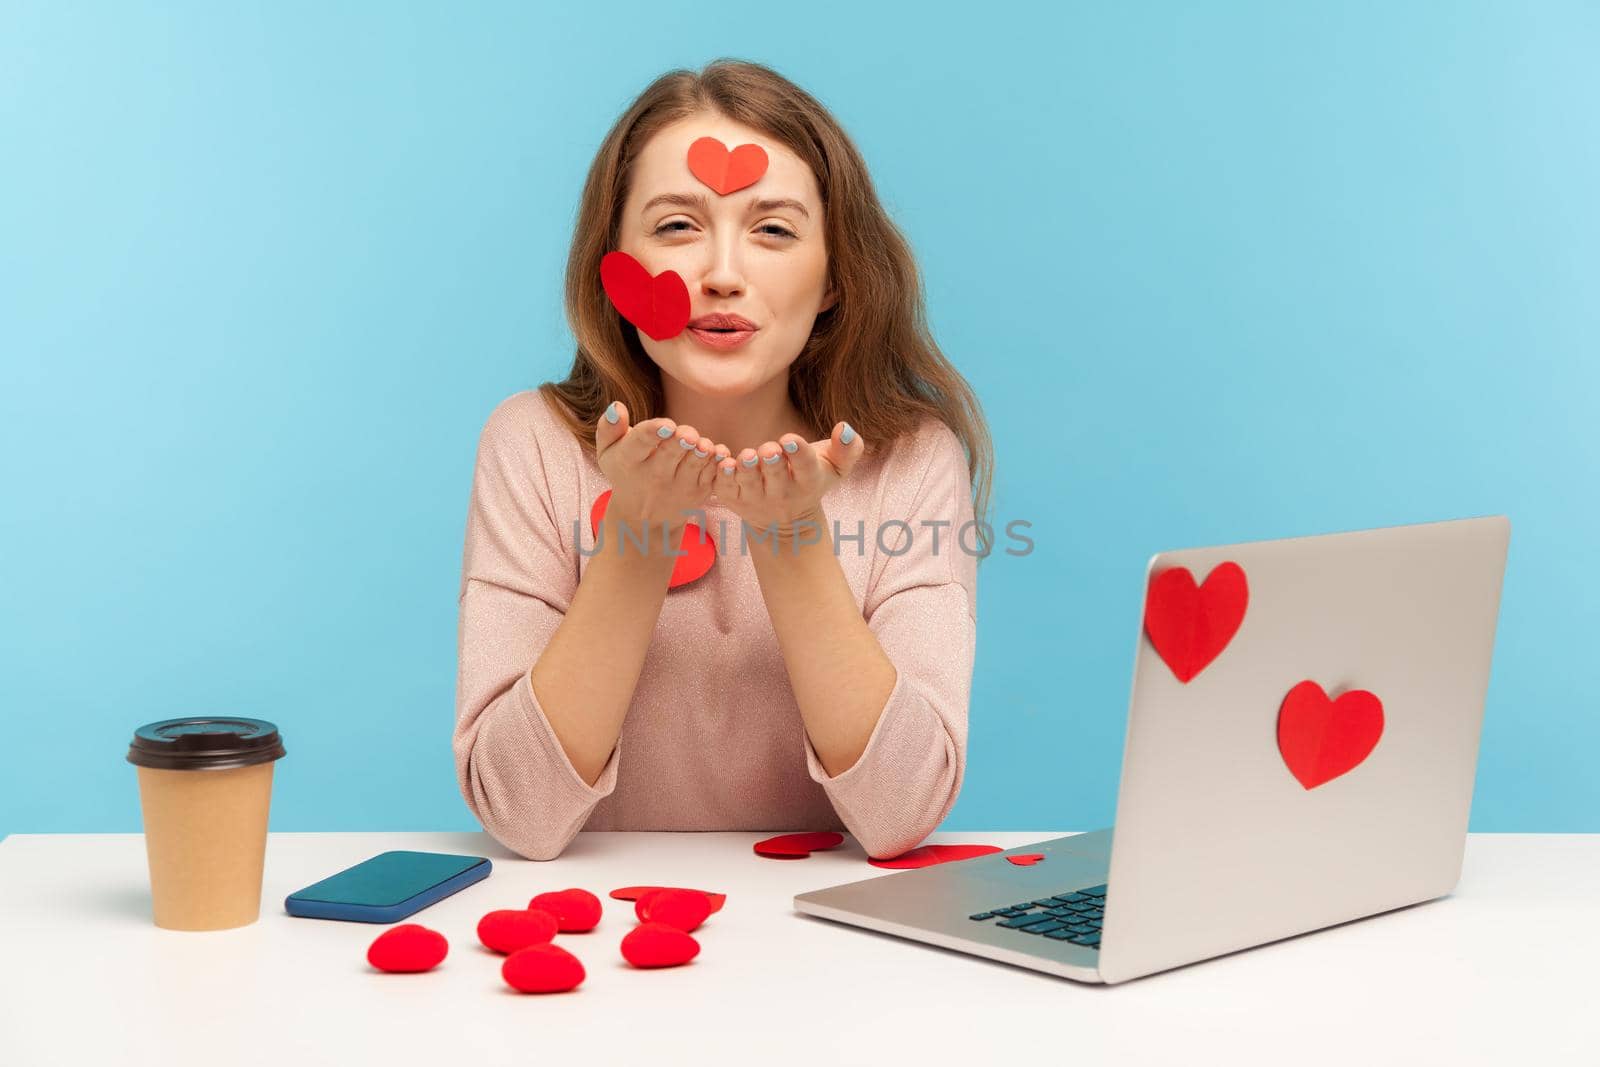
(1074, 916)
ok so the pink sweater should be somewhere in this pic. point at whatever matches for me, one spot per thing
(713, 738)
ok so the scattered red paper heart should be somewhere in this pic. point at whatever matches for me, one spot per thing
(1025, 859)
(657, 304)
(636, 892)
(1320, 739)
(798, 846)
(928, 855)
(1190, 625)
(725, 171)
(684, 908)
(697, 549)
(655, 944)
(509, 929)
(542, 968)
(408, 947)
(576, 910)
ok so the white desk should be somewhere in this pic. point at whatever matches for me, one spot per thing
(1503, 971)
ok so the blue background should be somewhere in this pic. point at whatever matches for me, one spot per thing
(1219, 273)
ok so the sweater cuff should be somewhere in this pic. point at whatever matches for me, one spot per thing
(554, 755)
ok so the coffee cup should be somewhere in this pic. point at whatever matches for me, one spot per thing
(205, 786)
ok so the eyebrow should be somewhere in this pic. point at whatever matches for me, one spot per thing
(699, 201)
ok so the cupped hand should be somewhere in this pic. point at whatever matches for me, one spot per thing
(660, 472)
(780, 484)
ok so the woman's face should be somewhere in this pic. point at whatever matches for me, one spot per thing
(757, 253)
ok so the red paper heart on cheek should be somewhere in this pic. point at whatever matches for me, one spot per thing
(542, 969)
(798, 846)
(698, 550)
(928, 855)
(407, 947)
(657, 304)
(576, 910)
(656, 944)
(684, 909)
(1190, 625)
(1320, 739)
(637, 892)
(725, 171)
(1026, 859)
(510, 929)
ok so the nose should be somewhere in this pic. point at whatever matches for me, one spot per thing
(725, 275)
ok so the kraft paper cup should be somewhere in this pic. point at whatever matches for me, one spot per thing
(205, 787)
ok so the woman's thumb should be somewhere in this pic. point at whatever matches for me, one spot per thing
(845, 447)
(611, 427)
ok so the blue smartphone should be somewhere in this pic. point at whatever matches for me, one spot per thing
(388, 887)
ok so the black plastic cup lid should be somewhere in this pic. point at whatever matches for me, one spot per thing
(205, 743)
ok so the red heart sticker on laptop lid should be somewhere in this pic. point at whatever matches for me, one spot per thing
(1189, 625)
(1320, 739)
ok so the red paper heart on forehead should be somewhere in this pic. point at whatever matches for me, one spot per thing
(698, 549)
(657, 304)
(1320, 739)
(1190, 625)
(725, 171)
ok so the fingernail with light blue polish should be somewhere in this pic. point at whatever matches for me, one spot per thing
(611, 413)
(772, 458)
(665, 431)
(751, 462)
(701, 454)
(727, 470)
(848, 434)
(684, 441)
(791, 447)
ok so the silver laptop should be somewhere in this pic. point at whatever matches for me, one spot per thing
(1247, 814)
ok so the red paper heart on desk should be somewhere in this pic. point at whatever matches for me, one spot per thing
(1026, 859)
(506, 930)
(407, 947)
(1190, 625)
(658, 945)
(543, 968)
(798, 846)
(928, 855)
(725, 171)
(685, 909)
(576, 910)
(637, 892)
(1320, 739)
(657, 304)
(698, 549)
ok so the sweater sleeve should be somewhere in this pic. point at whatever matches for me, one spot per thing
(517, 582)
(923, 610)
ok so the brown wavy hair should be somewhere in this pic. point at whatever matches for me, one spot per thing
(871, 358)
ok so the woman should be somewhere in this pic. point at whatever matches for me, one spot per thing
(816, 676)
